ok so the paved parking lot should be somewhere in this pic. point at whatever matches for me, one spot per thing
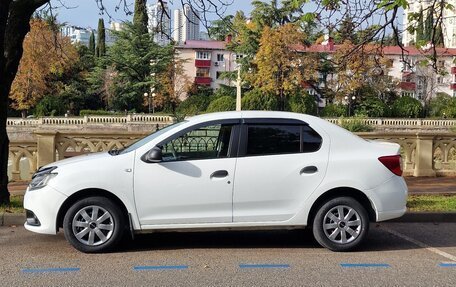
(396, 254)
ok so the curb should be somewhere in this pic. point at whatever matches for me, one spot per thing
(8, 219)
(426, 217)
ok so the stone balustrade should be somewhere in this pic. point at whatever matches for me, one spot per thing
(153, 119)
(88, 120)
(423, 154)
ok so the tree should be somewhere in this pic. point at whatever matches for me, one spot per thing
(45, 54)
(346, 31)
(140, 18)
(281, 69)
(92, 43)
(138, 61)
(420, 27)
(221, 28)
(101, 40)
(429, 26)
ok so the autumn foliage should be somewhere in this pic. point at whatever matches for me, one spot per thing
(46, 53)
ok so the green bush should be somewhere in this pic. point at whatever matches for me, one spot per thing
(256, 100)
(98, 113)
(334, 110)
(304, 104)
(222, 104)
(407, 107)
(355, 125)
(442, 106)
(49, 106)
(193, 105)
(372, 107)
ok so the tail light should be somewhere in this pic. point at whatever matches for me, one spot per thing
(393, 163)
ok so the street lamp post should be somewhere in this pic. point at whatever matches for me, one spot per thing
(146, 95)
(153, 104)
(349, 103)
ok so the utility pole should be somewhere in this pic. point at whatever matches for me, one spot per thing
(238, 89)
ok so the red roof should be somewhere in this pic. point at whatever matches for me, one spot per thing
(203, 44)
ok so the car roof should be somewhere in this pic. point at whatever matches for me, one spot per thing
(249, 114)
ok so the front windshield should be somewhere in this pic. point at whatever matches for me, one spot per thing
(150, 137)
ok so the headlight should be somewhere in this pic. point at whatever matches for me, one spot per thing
(41, 178)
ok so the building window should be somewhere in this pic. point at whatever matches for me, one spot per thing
(202, 72)
(203, 55)
(218, 74)
(219, 57)
(441, 64)
(239, 56)
(439, 80)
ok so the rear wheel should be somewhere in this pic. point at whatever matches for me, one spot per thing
(341, 224)
(94, 224)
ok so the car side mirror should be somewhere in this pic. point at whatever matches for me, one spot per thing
(153, 156)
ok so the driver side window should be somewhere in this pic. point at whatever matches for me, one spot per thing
(207, 142)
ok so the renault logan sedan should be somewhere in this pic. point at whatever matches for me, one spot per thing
(223, 171)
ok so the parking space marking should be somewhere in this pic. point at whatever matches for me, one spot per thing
(48, 270)
(420, 244)
(447, 264)
(160, 267)
(364, 265)
(243, 266)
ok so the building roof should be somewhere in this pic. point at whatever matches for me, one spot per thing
(203, 44)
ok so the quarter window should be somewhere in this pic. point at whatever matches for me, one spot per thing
(206, 142)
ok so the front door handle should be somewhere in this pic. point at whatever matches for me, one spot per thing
(309, 170)
(219, 174)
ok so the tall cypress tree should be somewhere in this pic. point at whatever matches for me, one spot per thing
(429, 25)
(92, 43)
(420, 27)
(101, 41)
(140, 18)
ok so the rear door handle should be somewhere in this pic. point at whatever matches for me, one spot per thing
(219, 174)
(309, 170)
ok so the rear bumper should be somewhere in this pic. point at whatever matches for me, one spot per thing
(389, 199)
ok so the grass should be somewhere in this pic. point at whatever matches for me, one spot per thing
(416, 203)
(15, 205)
(431, 203)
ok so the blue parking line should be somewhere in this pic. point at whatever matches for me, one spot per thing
(447, 264)
(264, 265)
(46, 270)
(160, 267)
(356, 265)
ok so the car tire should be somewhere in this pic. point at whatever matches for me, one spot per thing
(341, 224)
(94, 224)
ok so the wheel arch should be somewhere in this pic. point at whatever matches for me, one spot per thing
(84, 193)
(358, 195)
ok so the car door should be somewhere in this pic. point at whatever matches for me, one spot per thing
(281, 162)
(194, 181)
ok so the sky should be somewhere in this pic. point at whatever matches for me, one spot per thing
(85, 13)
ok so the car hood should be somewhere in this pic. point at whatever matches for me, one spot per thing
(76, 159)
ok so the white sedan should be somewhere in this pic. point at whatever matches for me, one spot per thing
(223, 171)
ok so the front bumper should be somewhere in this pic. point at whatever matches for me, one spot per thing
(45, 204)
(389, 199)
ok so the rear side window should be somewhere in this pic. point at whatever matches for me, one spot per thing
(272, 139)
(281, 139)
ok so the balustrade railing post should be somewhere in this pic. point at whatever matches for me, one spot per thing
(45, 147)
(424, 156)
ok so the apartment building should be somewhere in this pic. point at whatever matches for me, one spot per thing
(186, 24)
(160, 22)
(206, 61)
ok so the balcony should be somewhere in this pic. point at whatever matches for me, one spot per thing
(453, 70)
(453, 86)
(202, 63)
(407, 86)
(204, 81)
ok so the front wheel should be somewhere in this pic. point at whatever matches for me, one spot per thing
(94, 224)
(341, 224)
